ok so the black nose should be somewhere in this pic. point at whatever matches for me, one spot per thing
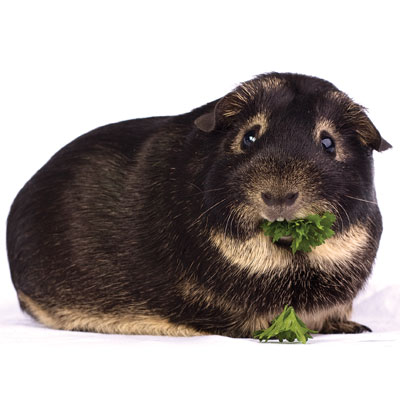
(284, 200)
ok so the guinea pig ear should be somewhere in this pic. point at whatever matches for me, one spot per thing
(368, 133)
(226, 108)
(206, 122)
(384, 145)
(373, 138)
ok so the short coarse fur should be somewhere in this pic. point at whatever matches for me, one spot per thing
(152, 226)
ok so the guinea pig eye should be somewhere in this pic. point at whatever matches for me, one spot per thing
(249, 138)
(328, 145)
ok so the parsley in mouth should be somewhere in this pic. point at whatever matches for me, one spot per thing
(306, 233)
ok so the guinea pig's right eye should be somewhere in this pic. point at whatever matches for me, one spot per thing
(249, 138)
(328, 144)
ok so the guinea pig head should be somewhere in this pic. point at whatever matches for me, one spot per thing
(287, 146)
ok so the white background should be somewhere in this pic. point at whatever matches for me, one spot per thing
(67, 67)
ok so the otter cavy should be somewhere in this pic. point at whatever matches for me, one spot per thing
(152, 226)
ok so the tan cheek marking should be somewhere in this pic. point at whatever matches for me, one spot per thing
(257, 255)
(130, 324)
(324, 124)
(340, 249)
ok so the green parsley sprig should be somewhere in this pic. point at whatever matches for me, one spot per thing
(307, 233)
(286, 325)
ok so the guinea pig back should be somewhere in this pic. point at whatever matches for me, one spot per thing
(152, 226)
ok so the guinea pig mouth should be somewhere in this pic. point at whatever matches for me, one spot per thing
(285, 241)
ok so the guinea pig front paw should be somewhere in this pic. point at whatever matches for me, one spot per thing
(344, 327)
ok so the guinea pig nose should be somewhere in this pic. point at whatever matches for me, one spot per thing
(285, 200)
(290, 198)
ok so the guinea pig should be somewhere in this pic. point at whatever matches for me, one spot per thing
(152, 226)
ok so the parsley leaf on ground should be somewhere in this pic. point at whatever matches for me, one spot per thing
(286, 325)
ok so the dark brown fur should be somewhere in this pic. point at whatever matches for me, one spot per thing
(151, 226)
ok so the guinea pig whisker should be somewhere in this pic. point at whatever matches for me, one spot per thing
(338, 213)
(212, 190)
(242, 221)
(232, 215)
(230, 218)
(200, 191)
(195, 186)
(366, 201)
(205, 212)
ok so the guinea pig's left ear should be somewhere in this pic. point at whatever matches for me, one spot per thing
(384, 145)
(375, 140)
(370, 135)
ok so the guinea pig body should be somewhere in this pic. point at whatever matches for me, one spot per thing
(152, 226)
